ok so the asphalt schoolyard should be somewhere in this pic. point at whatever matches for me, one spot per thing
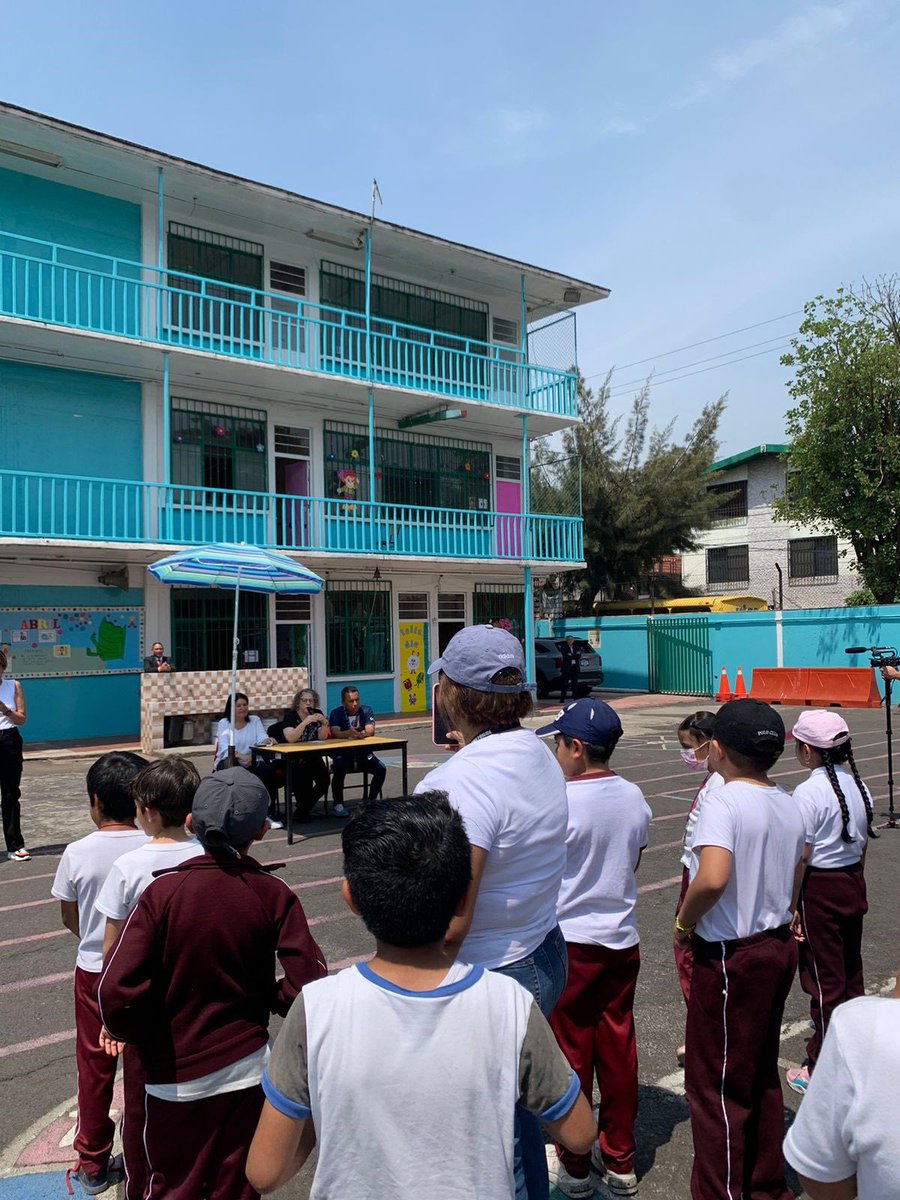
(37, 1066)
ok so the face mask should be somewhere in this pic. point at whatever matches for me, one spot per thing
(690, 759)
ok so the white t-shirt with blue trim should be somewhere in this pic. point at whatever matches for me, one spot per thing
(413, 1093)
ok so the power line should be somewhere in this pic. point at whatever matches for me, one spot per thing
(699, 362)
(716, 367)
(693, 345)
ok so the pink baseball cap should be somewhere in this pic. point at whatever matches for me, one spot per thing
(821, 728)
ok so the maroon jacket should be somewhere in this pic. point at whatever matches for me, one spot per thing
(191, 979)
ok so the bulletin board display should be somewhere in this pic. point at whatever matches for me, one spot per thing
(45, 642)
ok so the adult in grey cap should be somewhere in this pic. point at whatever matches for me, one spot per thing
(510, 792)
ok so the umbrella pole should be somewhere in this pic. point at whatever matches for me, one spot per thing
(234, 667)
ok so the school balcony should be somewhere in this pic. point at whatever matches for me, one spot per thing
(50, 509)
(55, 291)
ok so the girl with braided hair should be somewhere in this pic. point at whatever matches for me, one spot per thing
(837, 811)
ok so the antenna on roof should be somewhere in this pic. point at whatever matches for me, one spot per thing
(376, 195)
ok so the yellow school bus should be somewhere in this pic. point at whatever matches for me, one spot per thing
(684, 604)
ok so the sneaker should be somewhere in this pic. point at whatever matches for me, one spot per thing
(611, 1183)
(21, 855)
(568, 1184)
(273, 824)
(679, 1055)
(94, 1182)
(340, 811)
(798, 1079)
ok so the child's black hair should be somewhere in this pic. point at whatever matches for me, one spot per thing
(110, 779)
(594, 752)
(844, 754)
(168, 786)
(763, 760)
(408, 864)
(699, 723)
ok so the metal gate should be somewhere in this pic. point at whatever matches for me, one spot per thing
(679, 654)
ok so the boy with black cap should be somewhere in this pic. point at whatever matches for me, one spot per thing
(745, 878)
(191, 981)
(609, 822)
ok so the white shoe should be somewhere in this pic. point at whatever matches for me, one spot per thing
(611, 1183)
(21, 855)
(340, 811)
(273, 824)
(568, 1184)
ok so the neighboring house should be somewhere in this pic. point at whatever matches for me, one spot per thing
(188, 356)
(745, 545)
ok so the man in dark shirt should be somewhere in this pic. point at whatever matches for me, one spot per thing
(571, 665)
(353, 721)
(157, 661)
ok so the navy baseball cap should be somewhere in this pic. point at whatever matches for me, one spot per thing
(589, 720)
(229, 809)
(475, 655)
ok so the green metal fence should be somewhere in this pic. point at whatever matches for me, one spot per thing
(679, 654)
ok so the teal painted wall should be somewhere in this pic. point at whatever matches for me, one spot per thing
(69, 422)
(86, 706)
(54, 212)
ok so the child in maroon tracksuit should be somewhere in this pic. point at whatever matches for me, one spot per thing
(746, 865)
(191, 981)
(837, 809)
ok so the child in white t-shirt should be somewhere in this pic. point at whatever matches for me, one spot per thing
(407, 1069)
(746, 866)
(837, 810)
(163, 794)
(80, 876)
(608, 827)
(694, 734)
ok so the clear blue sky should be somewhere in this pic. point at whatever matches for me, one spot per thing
(715, 164)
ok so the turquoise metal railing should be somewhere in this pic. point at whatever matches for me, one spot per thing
(60, 285)
(76, 508)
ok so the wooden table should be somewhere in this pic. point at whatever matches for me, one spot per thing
(330, 748)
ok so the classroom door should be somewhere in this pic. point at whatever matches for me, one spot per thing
(412, 642)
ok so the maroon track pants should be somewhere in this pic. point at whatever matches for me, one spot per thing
(96, 1077)
(738, 993)
(199, 1147)
(594, 1025)
(832, 907)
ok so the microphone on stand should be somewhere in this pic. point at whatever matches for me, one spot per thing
(856, 650)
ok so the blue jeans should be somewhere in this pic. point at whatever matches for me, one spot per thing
(543, 973)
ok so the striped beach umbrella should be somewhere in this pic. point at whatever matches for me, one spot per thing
(241, 568)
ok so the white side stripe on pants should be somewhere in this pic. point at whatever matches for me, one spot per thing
(724, 1069)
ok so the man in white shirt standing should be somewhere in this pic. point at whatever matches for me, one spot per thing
(608, 826)
(745, 878)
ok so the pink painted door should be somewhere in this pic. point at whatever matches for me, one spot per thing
(509, 528)
(292, 479)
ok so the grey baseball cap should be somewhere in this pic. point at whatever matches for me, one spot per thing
(475, 654)
(229, 808)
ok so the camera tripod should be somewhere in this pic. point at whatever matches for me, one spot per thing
(884, 656)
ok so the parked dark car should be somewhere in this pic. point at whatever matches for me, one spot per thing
(548, 665)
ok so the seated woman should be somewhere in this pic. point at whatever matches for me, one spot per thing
(304, 721)
(248, 732)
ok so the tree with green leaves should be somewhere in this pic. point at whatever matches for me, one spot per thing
(844, 430)
(645, 493)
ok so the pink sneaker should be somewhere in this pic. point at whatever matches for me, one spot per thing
(798, 1079)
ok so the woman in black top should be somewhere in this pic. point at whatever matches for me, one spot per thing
(305, 722)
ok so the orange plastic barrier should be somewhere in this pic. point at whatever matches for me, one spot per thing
(818, 687)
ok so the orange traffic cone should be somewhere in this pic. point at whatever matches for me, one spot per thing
(740, 690)
(724, 692)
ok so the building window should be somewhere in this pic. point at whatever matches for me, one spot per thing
(503, 603)
(813, 559)
(225, 315)
(409, 468)
(509, 468)
(358, 627)
(292, 617)
(732, 506)
(203, 628)
(728, 566)
(218, 446)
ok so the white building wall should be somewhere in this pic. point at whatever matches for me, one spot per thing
(768, 541)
